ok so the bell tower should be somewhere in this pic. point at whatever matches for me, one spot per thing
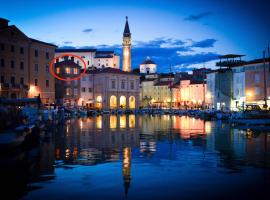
(126, 48)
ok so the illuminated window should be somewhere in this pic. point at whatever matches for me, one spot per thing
(67, 70)
(68, 91)
(57, 70)
(75, 71)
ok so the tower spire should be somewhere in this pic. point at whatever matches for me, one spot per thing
(126, 30)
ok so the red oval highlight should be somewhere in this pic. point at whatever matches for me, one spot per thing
(68, 78)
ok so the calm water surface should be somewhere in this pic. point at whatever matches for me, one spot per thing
(140, 157)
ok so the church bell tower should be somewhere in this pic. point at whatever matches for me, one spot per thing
(126, 48)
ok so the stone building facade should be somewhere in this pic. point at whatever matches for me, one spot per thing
(110, 89)
(24, 64)
(67, 92)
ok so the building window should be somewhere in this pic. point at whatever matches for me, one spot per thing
(2, 63)
(2, 79)
(22, 80)
(47, 55)
(2, 46)
(90, 78)
(12, 64)
(75, 91)
(36, 82)
(89, 89)
(12, 80)
(68, 91)
(257, 78)
(98, 64)
(83, 89)
(12, 48)
(22, 65)
(57, 70)
(113, 84)
(122, 84)
(75, 71)
(36, 67)
(36, 53)
(47, 69)
(47, 84)
(67, 70)
(107, 64)
(132, 85)
(257, 91)
(22, 50)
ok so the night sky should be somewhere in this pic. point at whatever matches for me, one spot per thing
(184, 34)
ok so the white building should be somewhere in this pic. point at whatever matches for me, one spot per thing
(239, 87)
(93, 57)
(148, 67)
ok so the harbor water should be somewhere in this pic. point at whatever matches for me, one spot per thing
(140, 157)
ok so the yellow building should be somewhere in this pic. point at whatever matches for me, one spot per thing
(158, 91)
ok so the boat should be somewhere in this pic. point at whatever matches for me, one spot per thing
(253, 114)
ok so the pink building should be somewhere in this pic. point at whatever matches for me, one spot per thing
(192, 93)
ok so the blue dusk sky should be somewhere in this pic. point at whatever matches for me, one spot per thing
(184, 34)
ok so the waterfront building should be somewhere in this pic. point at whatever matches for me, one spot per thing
(248, 84)
(67, 92)
(219, 93)
(126, 48)
(159, 90)
(220, 89)
(24, 64)
(93, 57)
(110, 89)
(148, 67)
(192, 93)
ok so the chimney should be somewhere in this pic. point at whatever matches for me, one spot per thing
(72, 58)
(3, 23)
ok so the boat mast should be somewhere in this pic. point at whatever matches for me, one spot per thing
(265, 88)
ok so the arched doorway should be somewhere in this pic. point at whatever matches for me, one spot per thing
(113, 102)
(132, 102)
(99, 102)
(123, 102)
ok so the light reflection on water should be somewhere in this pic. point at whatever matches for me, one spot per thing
(142, 157)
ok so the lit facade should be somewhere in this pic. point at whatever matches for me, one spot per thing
(192, 93)
(110, 89)
(24, 64)
(249, 84)
(148, 67)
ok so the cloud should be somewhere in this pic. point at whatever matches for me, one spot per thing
(67, 42)
(204, 43)
(87, 30)
(198, 16)
(160, 42)
(67, 47)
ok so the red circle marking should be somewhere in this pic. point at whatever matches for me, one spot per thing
(68, 78)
